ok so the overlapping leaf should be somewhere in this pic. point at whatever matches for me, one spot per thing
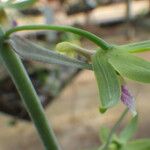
(29, 50)
(132, 67)
(108, 84)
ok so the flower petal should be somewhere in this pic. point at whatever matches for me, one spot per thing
(128, 99)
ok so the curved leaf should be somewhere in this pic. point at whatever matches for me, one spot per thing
(136, 47)
(108, 83)
(29, 50)
(129, 130)
(104, 133)
(16, 4)
(132, 67)
(142, 144)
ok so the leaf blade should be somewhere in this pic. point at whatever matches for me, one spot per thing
(142, 144)
(29, 50)
(104, 133)
(136, 47)
(129, 130)
(17, 5)
(108, 83)
(132, 67)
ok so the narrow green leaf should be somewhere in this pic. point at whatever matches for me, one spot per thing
(17, 5)
(142, 144)
(29, 50)
(129, 130)
(136, 47)
(130, 66)
(108, 83)
(23, 4)
(104, 133)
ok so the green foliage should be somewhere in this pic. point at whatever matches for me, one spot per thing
(130, 66)
(29, 50)
(111, 141)
(107, 80)
(95, 39)
(142, 144)
(135, 47)
(104, 133)
(16, 4)
(128, 132)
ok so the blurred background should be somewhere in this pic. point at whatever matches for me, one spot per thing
(70, 95)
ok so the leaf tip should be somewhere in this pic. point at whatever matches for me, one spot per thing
(102, 110)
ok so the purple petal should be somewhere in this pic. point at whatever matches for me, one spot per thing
(128, 99)
(14, 23)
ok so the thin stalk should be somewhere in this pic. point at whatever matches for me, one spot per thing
(29, 96)
(100, 42)
(114, 129)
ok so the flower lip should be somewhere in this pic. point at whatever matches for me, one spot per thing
(128, 99)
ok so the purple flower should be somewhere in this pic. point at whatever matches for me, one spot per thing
(128, 99)
(14, 23)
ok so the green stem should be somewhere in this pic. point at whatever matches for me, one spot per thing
(100, 42)
(26, 90)
(114, 129)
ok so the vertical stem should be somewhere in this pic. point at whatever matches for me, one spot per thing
(18, 73)
(114, 129)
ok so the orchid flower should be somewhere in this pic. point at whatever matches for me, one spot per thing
(128, 99)
(14, 23)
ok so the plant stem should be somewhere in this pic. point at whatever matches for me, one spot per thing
(100, 42)
(114, 129)
(26, 90)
